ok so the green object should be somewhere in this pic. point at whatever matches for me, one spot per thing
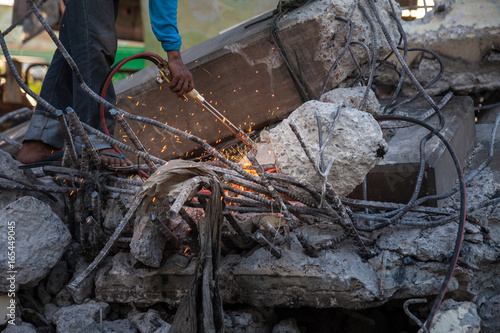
(126, 51)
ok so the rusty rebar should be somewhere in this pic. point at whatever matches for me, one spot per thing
(265, 243)
(135, 140)
(68, 138)
(38, 188)
(189, 220)
(190, 187)
(239, 230)
(160, 224)
(308, 249)
(411, 315)
(72, 287)
(84, 136)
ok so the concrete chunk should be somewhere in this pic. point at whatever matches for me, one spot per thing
(40, 241)
(355, 146)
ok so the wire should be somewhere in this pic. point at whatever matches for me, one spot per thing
(153, 57)
(486, 107)
(462, 216)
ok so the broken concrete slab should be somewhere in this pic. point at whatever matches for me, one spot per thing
(466, 36)
(410, 262)
(352, 98)
(80, 318)
(150, 321)
(394, 178)
(456, 317)
(147, 243)
(242, 74)
(118, 326)
(418, 244)
(122, 280)
(356, 145)
(245, 320)
(20, 327)
(40, 241)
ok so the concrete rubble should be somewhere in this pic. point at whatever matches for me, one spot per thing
(466, 36)
(356, 144)
(20, 327)
(352, 98)
(80, 318)
(150, 321)
(457, 317)
(310, 261)
(147, 244)
(38, 228)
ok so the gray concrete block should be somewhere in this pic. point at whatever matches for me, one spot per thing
(394, 178)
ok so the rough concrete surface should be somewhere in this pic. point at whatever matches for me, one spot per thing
(410, 262)
(120, 281)
(394, 178)
(245, 321)
(20, 327)
(352, 98)
(40, 240)
(466, 36)
(456, 317)
(243, 75)
(260, 292)
(355, 146)
(82, 318)
(150, 321)
(147, 243)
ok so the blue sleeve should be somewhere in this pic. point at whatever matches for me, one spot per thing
(163, 14)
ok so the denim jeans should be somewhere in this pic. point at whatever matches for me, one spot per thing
(88, 33)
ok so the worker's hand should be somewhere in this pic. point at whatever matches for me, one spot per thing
(182, 79)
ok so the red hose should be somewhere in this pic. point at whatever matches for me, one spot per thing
(104, 90)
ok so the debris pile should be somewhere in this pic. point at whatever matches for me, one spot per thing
(465, 38)
(239, 245)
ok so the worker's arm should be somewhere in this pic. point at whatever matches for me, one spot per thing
(163, 14)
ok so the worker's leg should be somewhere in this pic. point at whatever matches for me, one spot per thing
(43, 137)
(93, 44)
(89, 35)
